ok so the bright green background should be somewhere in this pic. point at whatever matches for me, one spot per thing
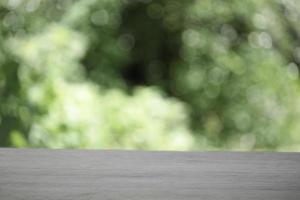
(154, 75)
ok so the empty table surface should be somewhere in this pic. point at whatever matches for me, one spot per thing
(134, 175)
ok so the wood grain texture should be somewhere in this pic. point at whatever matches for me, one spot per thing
(133, 175)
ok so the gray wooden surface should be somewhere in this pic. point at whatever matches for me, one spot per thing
(132, 175)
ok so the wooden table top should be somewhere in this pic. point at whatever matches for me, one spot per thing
(136, 175)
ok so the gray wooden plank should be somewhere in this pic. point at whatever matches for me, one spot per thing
(133, 175)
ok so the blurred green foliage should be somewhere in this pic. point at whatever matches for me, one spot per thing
(145, 74)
